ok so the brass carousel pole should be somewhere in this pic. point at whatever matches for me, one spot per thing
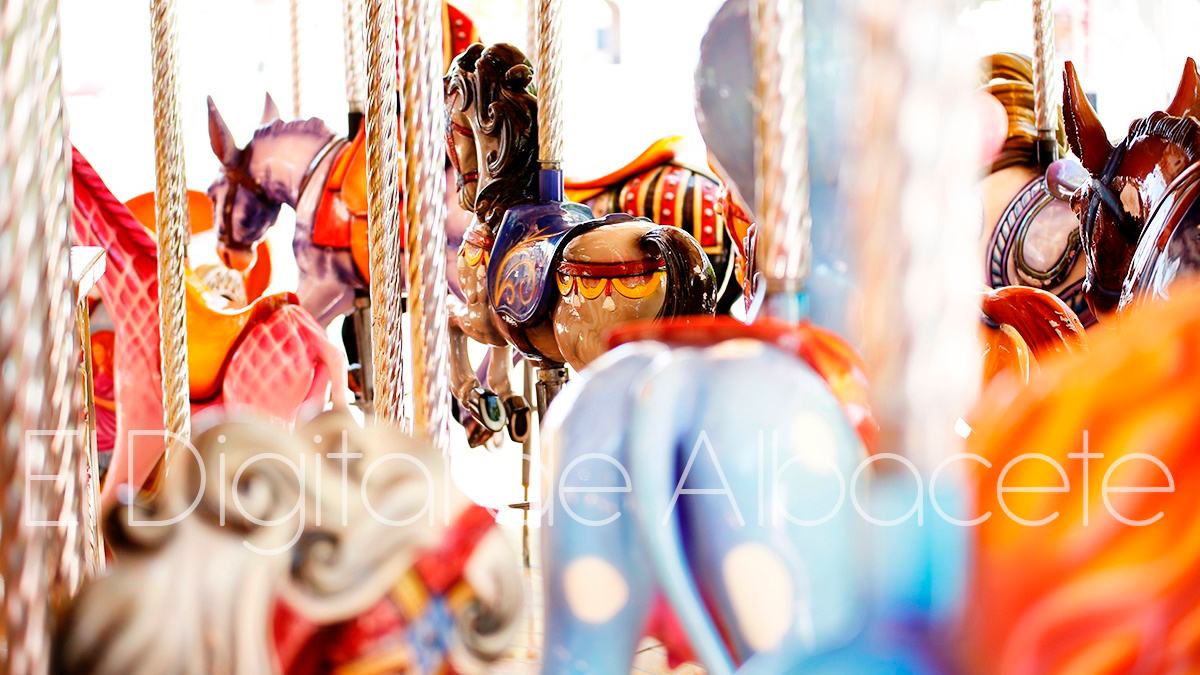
(1045, 81)
(781, 156)
(425, 215)
(37, 397)
(170, 204)
(352, 45)
(294, 16)
(912, 202)
(383, 214)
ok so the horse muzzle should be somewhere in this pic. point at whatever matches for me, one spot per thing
(236, 258)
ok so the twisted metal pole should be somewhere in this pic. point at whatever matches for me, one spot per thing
(531, 32)
(425, 216)
(781, 154)
(383, 213)
(1045, 80)
(912, 203)
(294, 15)
(170, 206)
(352, 45)
(34, 304)
(70, 539)
(549, 83)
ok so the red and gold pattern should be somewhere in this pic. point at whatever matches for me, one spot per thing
(634, 280)
(655, 186)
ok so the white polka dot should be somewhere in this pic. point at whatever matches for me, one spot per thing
(458, 22)
(666, 212)
(761, 591)
(595, 589)
(708, 212)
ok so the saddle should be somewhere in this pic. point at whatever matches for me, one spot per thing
(658, 186)
(341, 218)
(824, 351)
(214, 333)
(660, 152)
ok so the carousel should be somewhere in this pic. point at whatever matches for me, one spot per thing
(880, 364)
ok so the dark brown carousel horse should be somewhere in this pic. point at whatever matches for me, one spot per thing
(539, 273)
(1139, 213)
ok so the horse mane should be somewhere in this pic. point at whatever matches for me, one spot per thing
(1009, 78)
(314, 126)
(1183, 132)
(494, 85)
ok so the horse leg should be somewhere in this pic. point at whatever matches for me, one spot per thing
(499, 380)
(485, 407)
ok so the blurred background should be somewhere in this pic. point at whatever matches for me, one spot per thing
(630, 66)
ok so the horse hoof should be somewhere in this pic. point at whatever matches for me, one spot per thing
(486, 408)
(477, 435)
(519, 418)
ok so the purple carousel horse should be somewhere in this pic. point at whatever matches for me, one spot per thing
(322, 177)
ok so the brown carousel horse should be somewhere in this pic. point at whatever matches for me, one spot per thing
(1031, 234)
(546, 277)
(1138, 210)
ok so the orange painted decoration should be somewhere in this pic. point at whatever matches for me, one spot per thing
(824, 351)
(1102, 598)
(341, 218)
(1024, 326)
(200, 219)
(213, 334)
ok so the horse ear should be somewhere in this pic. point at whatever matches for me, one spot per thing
(1187, 98)
(270, 110)
(219, 135)
(518, 77)
(1085, 133)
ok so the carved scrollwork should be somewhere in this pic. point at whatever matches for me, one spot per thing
(325, 520)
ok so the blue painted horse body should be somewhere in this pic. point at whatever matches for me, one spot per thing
(662, 490)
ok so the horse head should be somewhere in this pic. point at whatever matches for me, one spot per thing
(491, 127)
(244, 205)
(1126, 181)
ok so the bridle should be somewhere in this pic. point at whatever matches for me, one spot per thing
(1103, 195)
(238, 177)
(452, 128)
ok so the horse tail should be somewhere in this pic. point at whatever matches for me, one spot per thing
(691, 282)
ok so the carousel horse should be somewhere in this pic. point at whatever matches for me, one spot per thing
(238, 289)
(648, 424)
(656, 185)
(303, 563)
(546, 277)
(270, 356)
(1137, 204)
(306, 166)
(1030, 231)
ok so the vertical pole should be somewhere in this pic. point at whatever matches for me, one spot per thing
(170, 204)
(294, 23)
(425, 218)
(35, 309)
(911, 199)
(352, 44)
(781, 156)
(383, 213)
(1045, 81)
(549, 84)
